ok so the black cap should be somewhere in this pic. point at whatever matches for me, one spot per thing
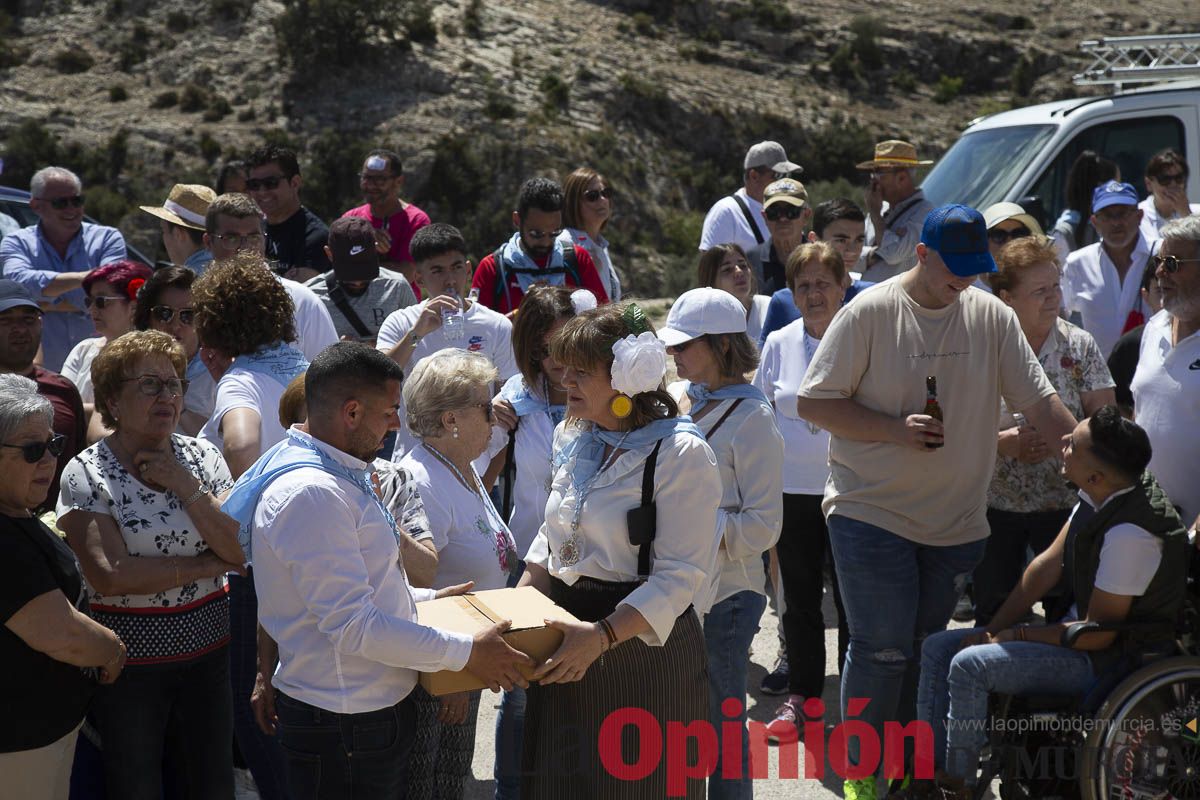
(355, 259)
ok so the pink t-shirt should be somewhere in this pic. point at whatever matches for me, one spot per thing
(400, 226)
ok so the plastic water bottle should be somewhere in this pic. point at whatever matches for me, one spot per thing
(452, 321)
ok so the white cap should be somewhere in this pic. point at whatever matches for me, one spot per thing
(996, 213)
(701, 311)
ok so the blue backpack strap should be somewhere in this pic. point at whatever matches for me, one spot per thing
(571, 265)
(501, 289)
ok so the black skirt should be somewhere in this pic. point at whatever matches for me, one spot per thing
(563, 721)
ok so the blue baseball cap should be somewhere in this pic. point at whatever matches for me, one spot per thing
(14, 295)
(959, 235)
(1113, 193)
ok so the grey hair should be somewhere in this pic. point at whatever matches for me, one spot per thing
(443, 382)
(1186, 229)
(19, 400)
(37, 186)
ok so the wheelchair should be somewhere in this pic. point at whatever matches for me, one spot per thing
(1134, 736)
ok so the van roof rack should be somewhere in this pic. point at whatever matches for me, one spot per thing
(1140, 59)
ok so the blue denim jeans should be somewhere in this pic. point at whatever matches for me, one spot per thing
(896, 593)
(510, 733)
(729, 629)
(955, 685)
(334, 756)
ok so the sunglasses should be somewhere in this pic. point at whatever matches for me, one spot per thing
(152, 385)
(59, 203)
(268, 183)
(592, 195)
(103, 301)
(1177, 179)
(533, 233)
(1170, 264)
(679, 348)
(33, 453)
(1001, 238)
(166, 314)
(783, 210)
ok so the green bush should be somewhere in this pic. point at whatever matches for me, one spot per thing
(472, 19)
(72, 61)
(556, 93)
(117, 94)
(234, 10)
(165, 99)
(419, 23)
(947, 89)
(643, 24)
(11, 54)
(498, 105)
(192, 99)
(134, 49)
(1023, 76)
(905, 81)
(218, 109)
(210, 148)
(178, 21)
(865, 45)
(314, 35)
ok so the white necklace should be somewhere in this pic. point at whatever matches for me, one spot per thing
(569, 552)
(502, 542)
(810, 350)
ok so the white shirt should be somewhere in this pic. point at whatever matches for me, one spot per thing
(598, 249)
(780, 373)
(333, 593)
(314, 326)
(726, 224)
(484, 331)
(533, 449)
(758, 312)
(1095, 297)
(1166, 403)
(687, 492)
(241, 388)
(1129, 556)
(78, 366)
(466, 529)
(1153, 222)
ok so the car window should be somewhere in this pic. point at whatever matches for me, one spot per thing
(14, 215)
(1129, 142)
(982, 166)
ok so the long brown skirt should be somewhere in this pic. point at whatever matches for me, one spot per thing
(647, 687)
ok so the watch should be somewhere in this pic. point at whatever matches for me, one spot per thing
(415, 338)
(201, 490)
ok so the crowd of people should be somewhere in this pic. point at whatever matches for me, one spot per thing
(230, 479)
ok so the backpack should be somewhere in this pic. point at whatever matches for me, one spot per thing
(570, 267)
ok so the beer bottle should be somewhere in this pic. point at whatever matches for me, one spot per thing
(932, 408)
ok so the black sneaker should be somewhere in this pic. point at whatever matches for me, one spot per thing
(964, 609)
(776, 682)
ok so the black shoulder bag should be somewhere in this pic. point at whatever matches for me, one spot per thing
(643, 520)
(338, 295)
(758, 237)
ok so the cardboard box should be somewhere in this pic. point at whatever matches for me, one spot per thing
(526, 607)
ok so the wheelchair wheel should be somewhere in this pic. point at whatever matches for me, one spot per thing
(1145, 742)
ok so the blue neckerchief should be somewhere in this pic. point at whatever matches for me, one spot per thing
(293, 452)
(195, 368)
(282, 362)
(553, 273)
(525, 402)
(588, 448)
(700, 394)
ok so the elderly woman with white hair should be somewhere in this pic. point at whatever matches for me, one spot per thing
(448, 402)
(53, 652)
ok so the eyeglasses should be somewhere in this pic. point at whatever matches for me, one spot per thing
(533, 233)
(375, 179)
(592, 195)
(1170, 264)
(234, 240)
(879, 173)
(102, 301)
(33, 453)
(487, 410)
(166, 314)
(59, 203)
(1174, 179)
(1000, 237)
(270, 182)
(679, 348)
(152, 385)
(782, 210)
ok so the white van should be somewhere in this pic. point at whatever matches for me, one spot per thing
(1024, 155)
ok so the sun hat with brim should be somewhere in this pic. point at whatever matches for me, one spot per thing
(14, 295)
(1113, 193)
(996, 213)
(894, 153)
(785, 190)
(958, 234)
(186, 205)
(701, 311)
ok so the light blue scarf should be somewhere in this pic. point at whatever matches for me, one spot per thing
(525, 401)
(293, 452)
(195, 368)
(553, 273)
(281, 362)
(700, 394)
(588, 448)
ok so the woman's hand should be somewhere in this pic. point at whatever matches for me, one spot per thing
(161, 470)
(454, 708)
(108, 673)
(1032, 447)
(583, 642)
(215, 566)
(506, 417)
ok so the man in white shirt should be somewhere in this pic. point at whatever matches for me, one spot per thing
(1166, 181)
(411, 334)
(1166, 386)
(334, 596)
(738, 218)
(1101, 283)
(234, 223)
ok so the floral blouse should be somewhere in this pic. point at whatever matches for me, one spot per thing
(1074, 365)
(175, 624)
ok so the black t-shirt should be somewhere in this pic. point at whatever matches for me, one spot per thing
(43, 699)
(1123, 363)
(299, 241)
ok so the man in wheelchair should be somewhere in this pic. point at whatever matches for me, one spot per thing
(1123, 556)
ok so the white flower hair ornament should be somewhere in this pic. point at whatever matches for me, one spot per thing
(582, 300)
(639, 362)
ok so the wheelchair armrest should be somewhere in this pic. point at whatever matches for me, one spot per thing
(1074, 630)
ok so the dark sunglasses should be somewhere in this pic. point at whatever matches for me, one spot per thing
(33, 453)
(781, 210)
(1170, 264)
(59, 203)
(1178, 179)
(535, 234)
(102, 301)
(679, 348)
(1001, 238)
(592, 195)
(152, 385)
(269, 183)
(166, 314)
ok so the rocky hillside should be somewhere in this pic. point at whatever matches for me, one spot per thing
(662, 96)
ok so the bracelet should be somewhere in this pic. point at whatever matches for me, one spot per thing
(604, 645)
(609, 633)
(201, 490)
(120, 652)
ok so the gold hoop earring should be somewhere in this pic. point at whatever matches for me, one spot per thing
(621, 406)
